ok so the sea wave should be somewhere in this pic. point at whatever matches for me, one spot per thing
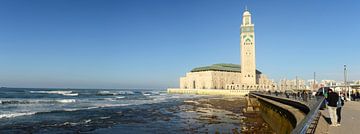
(107, 93)
(9, 102)
(12, 115)
(114, 105)
(113, 93)
(112, 99)
(77, 123)
(66, 101)
(148, 93)
(72, 94)
(126, 92)
(120, 97)
(65, 93)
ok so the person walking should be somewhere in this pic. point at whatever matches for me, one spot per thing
(340, 104)
(332, 100)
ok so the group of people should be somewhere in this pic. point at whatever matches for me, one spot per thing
(335, 102)
(355, 96)
(303, 95)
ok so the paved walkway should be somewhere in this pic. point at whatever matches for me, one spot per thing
(350, 121)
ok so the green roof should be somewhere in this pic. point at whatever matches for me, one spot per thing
(221, 67)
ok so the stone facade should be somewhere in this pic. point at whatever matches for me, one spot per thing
(209, 80)
(222, 80)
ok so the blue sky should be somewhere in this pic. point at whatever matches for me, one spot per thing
(151, 43)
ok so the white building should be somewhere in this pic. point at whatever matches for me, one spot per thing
(295, 84)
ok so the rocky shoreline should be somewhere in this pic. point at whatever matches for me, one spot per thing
(196, 115)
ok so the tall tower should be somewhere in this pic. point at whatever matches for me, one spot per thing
(247, 46)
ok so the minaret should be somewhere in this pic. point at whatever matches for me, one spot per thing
(247, 46)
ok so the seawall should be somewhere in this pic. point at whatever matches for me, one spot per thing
(285, 114)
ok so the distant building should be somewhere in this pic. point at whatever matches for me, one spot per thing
(296, 84)
(232, 76)
(312, 85)
(357, 82)
(328, 83)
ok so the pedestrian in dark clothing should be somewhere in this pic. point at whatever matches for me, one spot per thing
(340, 104)
(305, 96)
(353, 96)
(332, 100)
(286, 94)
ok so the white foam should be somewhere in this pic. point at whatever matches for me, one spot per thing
(126, 92)
(71, 109)
(190, 101)
(66, 93)
(113, 105)
(76, 109)
(105, 117)
(87, 121)
(120, 97)
(107, 93)
(66, 101)
(12, 115)
(72, 94)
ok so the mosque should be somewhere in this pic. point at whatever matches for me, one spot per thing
(231, 76)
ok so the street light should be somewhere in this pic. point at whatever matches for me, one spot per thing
(345, 82)
(314, 88)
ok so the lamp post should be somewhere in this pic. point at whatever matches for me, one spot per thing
(345, 82)
(314, 81)
(297, 83)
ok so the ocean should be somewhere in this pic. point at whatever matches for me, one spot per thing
(104, 111)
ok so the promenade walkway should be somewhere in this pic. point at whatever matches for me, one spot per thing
(350, 120)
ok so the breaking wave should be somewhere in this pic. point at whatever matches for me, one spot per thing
(112, 93)
(65, 93)
(9, 102)
(12, 115)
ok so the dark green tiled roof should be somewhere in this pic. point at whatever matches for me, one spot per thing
(221, 67)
